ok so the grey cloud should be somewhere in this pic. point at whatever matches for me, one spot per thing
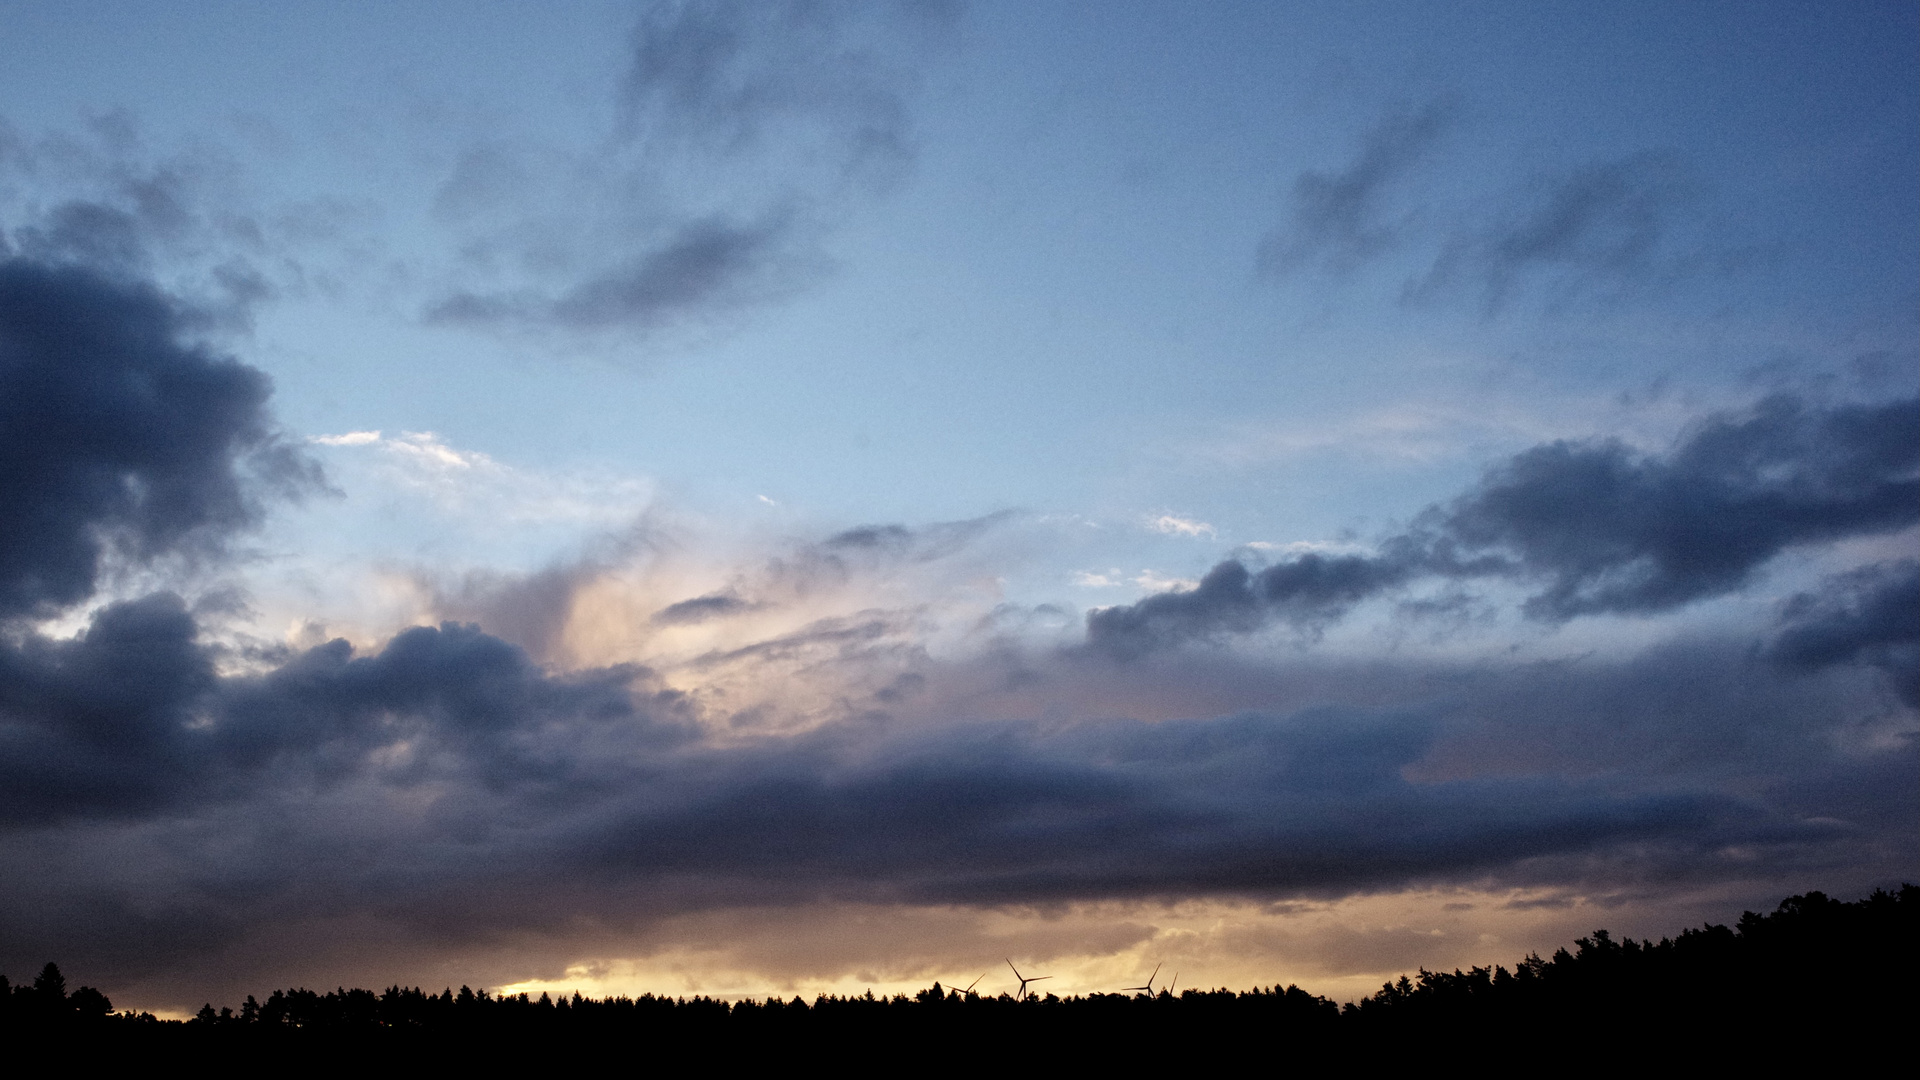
(529, 610)
(1343, 219)
(1595, 526)
(841, 633)
(746, 132)
(104, 199)
(129, 717)
(88, 233)
(1004, 813)
(708, 264)
(923, 544)
(1602, 225)
(729, 78)
(1610, 531)
(1589, 230)
(123, 441)
(700, 609)
(1869, 615)
(467, 704)
(99, 725)
(525, 778)
(870, 536)
(707, 267)
(436, 789)
(1308, 592)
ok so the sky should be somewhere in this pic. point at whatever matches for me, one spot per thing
(798, 497)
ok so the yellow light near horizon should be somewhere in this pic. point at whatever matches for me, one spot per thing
(1343, 949)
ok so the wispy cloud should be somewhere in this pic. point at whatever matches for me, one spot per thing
(1174, 525)
(746, 132)
(473, 485)
(1596, 228)
(1590, 230)
(1344, 218)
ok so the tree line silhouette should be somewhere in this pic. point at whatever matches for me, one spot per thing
(1814, 969)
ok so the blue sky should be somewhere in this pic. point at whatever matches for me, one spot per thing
(1534, 367)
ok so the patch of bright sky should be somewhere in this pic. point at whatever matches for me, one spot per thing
(1059, 307)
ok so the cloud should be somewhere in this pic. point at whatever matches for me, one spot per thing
(1867, 615)
(1173, 525)
(701, 608)
(189, 813)
(101, 725)
(105, 200)
(435, 784)
(1594, 527)
(351, 438)
(1604, 224)
(1607, 530)
(1341, 220)
(709, 267)
(167, 796)
(746, 133)
(728, 80)
(997, 813)
(125, 444)
(474, 485)
(129, 716)
(1308, 591)
(1589, 229)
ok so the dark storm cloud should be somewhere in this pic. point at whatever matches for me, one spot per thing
(438, 790)
(1608, 530)
(1309, 591)
(441, 786)
(1025, 813)
(746, 130)
(465, 703)
(1870, 615)
(124, 444)
(129, 718)
(99, 725)
(1595, 527)
(1343, 219)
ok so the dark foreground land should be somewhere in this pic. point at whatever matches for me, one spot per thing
(1818, 979)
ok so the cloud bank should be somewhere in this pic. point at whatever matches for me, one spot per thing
(1593, 527)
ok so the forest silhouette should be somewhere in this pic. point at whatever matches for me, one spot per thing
(1817, 975)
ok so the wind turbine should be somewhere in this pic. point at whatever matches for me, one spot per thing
(973, 984)
(1149, 987)
(1024, 980)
